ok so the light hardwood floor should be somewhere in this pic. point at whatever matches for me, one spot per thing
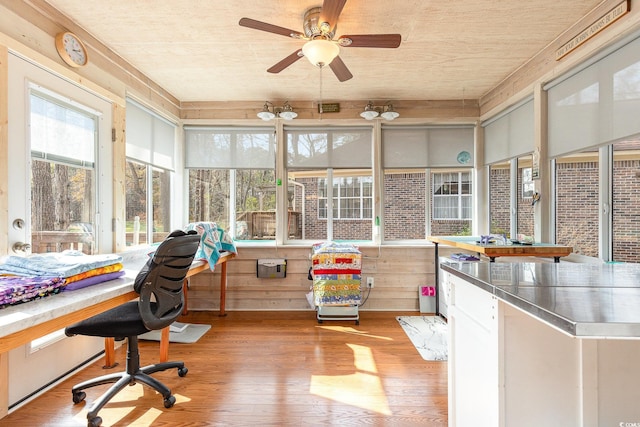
(270, 369)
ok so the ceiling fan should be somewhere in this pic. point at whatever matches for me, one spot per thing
(320, 24)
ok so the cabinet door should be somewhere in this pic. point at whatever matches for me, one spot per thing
(474, 357)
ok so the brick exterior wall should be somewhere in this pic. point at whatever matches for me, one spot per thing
(499, 195)
(577, 206)
(404, 203)
(626, 211)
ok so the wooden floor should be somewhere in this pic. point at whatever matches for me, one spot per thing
(270, 369)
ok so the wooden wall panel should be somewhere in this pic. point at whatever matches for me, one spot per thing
(398, 272)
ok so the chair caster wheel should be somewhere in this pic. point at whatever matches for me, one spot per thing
(319, 321)
(169, 401)
(182, 371)
(357, 322)
(95, 422)
(79, 396)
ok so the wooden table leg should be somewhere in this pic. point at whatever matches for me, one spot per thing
(164, 345)
(109, 353)
(223, 288)
(185, 293)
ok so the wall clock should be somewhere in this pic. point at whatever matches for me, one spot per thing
(71, 49)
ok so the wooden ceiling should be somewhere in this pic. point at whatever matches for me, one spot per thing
(450, 50)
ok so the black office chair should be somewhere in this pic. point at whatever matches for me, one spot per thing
(161, 301)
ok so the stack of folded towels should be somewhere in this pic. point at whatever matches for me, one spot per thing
(24, 279)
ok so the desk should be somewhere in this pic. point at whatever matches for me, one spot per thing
(22, 323)
(197, 267)
(492, 251)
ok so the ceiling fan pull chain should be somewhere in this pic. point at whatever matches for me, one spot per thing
(320, 109)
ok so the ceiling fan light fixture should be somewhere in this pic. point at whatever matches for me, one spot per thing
(320, 52)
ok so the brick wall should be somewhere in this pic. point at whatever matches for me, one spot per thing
(626, 211)
(499, 195)
(577, 206)
(404, 206)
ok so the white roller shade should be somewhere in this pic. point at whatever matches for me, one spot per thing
(150, 138)
(338, 147)
(230, 148)
(597, 105)
(510, 134)
(426, 146)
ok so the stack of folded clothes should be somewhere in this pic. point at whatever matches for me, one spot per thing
(36, 276)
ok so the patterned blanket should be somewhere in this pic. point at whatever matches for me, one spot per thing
(15, 290)
(214, 241)
(336, 270)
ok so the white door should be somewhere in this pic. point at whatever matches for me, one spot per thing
(71, 112)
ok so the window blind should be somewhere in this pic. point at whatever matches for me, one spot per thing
(427, 146)
(598, 104)
(150, 138)
(510, 134)
(229, 148)
(339, 147)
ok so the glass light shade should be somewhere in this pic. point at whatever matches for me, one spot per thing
(266, 115)
(390, 115)
(288, 115)
(369, 114)
(320, 52)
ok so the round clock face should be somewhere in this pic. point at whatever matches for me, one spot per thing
(71, 49)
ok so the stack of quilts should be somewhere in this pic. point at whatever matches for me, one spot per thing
(49, 273)
(337, 269)
(16, 289)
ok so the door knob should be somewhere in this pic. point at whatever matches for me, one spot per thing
(21, 247)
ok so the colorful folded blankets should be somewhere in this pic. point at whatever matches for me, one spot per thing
(60, 264)
(15, 290)
(214, 241)
(336, 269)
(39, 275)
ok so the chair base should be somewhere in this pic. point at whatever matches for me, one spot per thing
(134, 374)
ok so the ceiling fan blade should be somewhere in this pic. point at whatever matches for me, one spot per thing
(286, 62)
(263, 26)
(340, 69)
(372, 40)
(331, 10)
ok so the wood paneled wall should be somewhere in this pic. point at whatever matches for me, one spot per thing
(398, 272)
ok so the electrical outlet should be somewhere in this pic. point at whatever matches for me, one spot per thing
(369, 282)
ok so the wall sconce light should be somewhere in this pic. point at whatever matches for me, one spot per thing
(270, 112)
(386, 112)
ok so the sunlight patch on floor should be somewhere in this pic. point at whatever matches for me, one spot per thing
(115, 411)
(350, 330)
(362, 388)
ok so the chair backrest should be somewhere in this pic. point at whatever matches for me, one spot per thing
(160, 281)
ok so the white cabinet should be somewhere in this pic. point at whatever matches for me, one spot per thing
(508, 368)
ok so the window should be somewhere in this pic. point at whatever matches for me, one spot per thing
(352, 198)
(452, 196)
(576, 192)
(150, 153)
(411, 155)
(232, 180)
(340, 156)
(527, 183)
(626, 200)
(500, 198)
(63, 174)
